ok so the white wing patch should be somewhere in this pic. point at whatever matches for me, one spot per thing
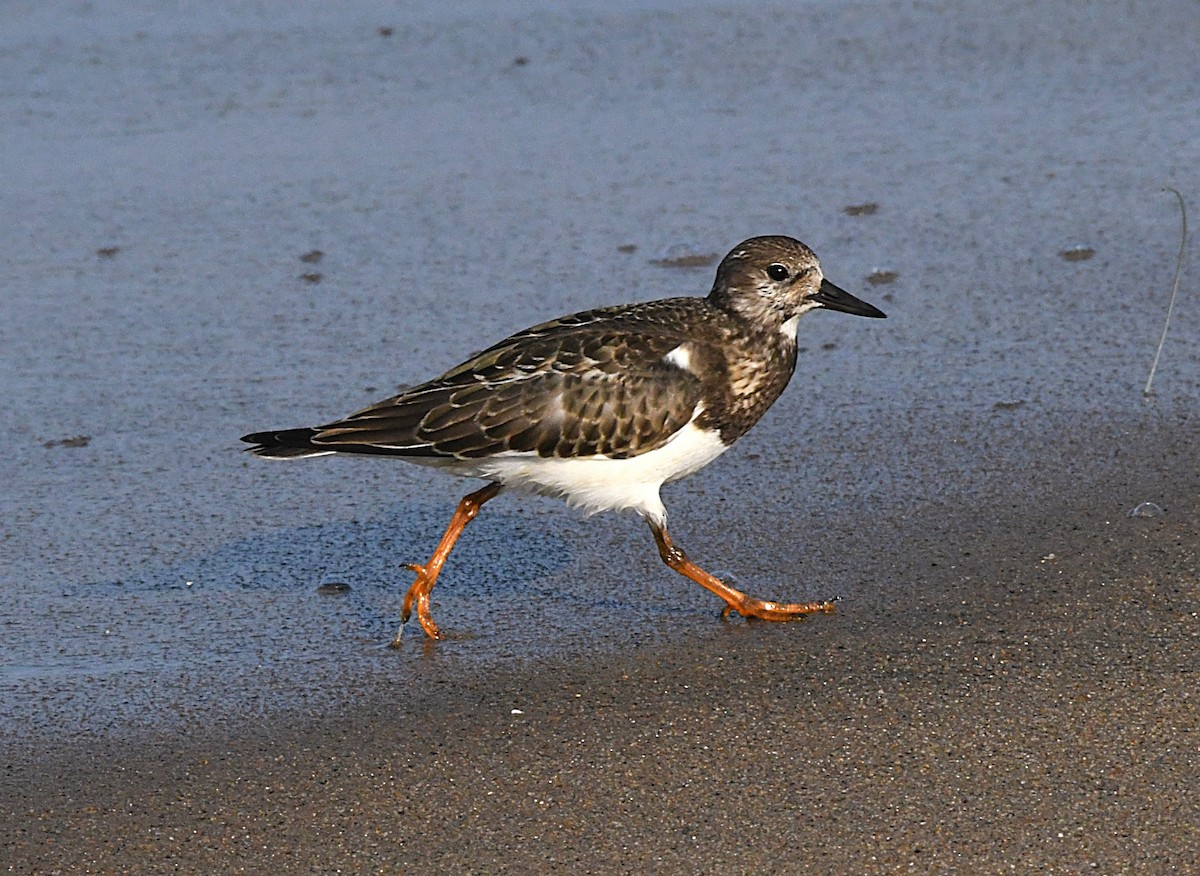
(680, 357)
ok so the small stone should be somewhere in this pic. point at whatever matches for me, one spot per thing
(682, 255)
(1077, 253)
(333, 585)
(868, 209)
(73, 441)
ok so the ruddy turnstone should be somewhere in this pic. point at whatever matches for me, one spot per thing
(603, 407)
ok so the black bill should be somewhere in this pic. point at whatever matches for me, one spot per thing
(837, 298)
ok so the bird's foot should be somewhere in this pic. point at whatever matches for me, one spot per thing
(418, 596)
(760, 609)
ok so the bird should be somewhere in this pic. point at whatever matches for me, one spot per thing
(601, 408)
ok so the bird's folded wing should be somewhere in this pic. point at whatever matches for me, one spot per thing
(563, 394)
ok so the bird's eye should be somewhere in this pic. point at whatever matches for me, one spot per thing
(777, 272)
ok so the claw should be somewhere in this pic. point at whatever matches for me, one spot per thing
(395, 643)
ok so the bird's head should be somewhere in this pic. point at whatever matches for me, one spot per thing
(774, 281)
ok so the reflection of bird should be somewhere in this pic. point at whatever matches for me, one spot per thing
(603, 407)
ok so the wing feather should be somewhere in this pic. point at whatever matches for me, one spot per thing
(598, 382)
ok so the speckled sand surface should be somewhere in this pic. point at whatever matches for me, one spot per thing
(1010, 683)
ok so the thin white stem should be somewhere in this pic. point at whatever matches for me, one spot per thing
(1174, 291)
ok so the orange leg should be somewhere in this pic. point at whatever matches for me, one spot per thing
(427, 574)
(735, 600)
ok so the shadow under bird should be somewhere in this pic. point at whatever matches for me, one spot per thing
(603, 407)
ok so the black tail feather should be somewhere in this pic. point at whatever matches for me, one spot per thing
(284, 444)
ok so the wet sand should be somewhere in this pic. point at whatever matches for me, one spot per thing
(1022, 696)
(1009, 684)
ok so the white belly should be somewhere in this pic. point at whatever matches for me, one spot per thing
(599, 483)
